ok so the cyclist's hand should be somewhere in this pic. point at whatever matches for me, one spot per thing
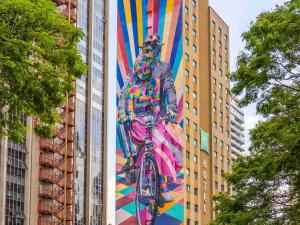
(172, 116)
(123, 118)
(132, 116)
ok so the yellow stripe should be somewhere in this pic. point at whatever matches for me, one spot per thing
(139, 12)
(127, 11)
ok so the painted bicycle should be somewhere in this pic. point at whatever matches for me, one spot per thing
(147, 195)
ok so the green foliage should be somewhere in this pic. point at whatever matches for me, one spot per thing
(268, 180)
(38, 64)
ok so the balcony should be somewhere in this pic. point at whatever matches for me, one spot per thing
(46, 208)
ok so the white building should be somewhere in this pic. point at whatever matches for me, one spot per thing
(237, 129)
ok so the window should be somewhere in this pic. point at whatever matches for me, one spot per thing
(186, 9)
(215, 139)
(188, 205)
(220, 58)
(227, 119)
(227, 133)
(196, 223)
(187, 138)
(215, 154)
(220, 44)
(195, 159)
(195, 191)
(195, 110)
(194, 48)
(194, 126)
(215, 124)
(214, 95)
(220, 86)
(213, 37)
(187, 105)
(186, 25)
(194, 18)
(194, 2)
(219, 30)
(194, 79)
(186, 73)
(216, 184)
(222, 158)
(222, 172)
(221, 129)
(196, 208)
(221, 100)
(214, 80)
(220, 72)
(213, 52)
(221, 143)
(188, 188)
(196, 175)
(228, 162)
(214, 67)
(194, 63)
(187, 42)
(226, 64)
(221, 114)
(187, 154)
(188, 172)
(227, 92)
(195, 143)
(226, 37)
(226, 51)
(187, 89)
(188, 222)
(187, 121)
(213, 23)
(227, 147)
(187, 57)
(227, 105)
(214, 109)
(194, 95)
(222, 187)
(216, 170)
(194, 33)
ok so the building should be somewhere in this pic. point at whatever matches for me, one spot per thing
(61, 181)
(237, 129)
(204, 85)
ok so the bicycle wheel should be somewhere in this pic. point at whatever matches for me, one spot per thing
(147, 192)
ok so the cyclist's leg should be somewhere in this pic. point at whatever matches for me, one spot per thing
(166, 195)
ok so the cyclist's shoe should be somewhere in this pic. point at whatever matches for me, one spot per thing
(165, 198)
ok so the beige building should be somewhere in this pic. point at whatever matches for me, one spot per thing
(207, 109)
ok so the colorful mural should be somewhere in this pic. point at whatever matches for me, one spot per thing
(150, 101)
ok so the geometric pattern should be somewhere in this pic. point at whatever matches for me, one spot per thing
(135, 19)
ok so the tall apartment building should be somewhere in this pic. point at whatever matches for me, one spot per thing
(237, 128)
(207, 112)
(61, 181)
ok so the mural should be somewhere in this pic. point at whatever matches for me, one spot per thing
(149, 182)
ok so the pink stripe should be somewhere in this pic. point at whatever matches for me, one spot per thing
(121, 44)
(156, 16)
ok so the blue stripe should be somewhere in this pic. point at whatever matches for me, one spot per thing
(145, 18)
(119, 77)
(134, 26)
(178, 58)
(162, 15)
(177, 37)
(125, 32)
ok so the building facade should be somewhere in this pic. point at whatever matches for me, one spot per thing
(61, 181)
(237, 129)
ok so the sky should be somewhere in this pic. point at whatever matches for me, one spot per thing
(238, 14)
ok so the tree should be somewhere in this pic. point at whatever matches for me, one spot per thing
(268, 73)
(38, 64)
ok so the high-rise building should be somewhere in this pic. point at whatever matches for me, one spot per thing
(61, 181)
(237, 128)
(207, 111)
